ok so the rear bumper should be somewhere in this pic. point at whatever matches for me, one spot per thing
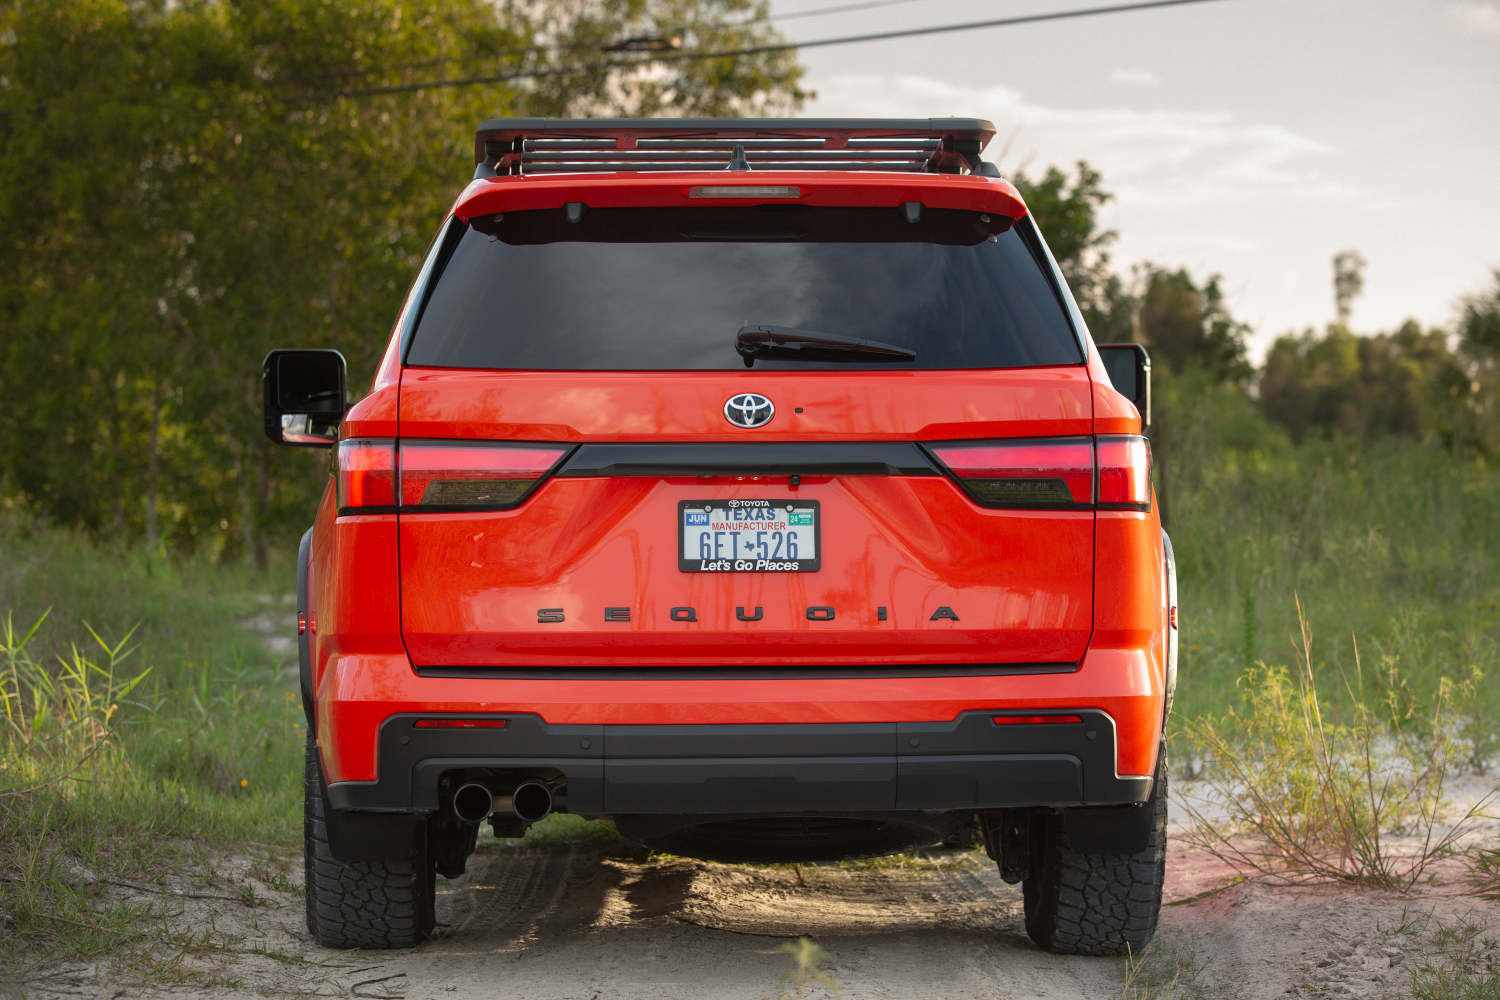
(967, 763)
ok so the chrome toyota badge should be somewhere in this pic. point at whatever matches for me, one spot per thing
(749, 409)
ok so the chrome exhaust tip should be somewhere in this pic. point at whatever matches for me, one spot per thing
(531, 801)
(473, 803)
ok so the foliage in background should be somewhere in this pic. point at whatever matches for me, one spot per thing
(184, 186)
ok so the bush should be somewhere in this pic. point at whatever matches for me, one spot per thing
(1306, 795)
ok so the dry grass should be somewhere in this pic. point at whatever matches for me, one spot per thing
(1296, 795)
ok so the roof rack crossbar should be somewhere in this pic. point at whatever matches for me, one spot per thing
(767, 155)
(543, 145)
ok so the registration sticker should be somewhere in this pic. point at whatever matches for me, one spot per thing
(748, 536)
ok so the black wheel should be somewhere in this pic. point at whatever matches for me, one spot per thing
(1093, 902)
(360, 904)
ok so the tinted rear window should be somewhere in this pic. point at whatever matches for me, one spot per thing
(666, 289)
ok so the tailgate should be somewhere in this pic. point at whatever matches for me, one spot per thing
(589, 570)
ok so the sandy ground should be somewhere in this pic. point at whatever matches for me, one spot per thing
(574, 923)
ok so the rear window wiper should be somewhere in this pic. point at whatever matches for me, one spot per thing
(760, 341)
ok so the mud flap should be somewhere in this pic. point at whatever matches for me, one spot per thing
(1108, 829)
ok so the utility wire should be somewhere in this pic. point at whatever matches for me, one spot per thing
(875, 36)
(841, 8)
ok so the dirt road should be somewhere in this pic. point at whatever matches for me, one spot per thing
(577, 923)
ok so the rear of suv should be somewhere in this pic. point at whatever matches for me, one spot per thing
(755, 484)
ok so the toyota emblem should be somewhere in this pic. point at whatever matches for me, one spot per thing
(749, 409)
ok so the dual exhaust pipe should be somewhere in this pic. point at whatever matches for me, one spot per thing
(531, 801)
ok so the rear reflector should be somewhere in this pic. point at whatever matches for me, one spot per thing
(459, 724)
(366, 475)
(1057, 472)
(1032, 720)
(1111, 473)
(472, 476)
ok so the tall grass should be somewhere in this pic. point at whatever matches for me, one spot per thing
(142, 723)
(1394, 541)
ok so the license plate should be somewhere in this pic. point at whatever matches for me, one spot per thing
(748, 536)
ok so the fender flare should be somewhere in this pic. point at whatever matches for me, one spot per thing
(304, 653)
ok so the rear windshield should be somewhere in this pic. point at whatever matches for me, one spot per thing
(669, 289)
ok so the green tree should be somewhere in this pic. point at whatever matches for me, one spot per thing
(1188, 325)
(1348, 282)
(1067, 211)
(184, 186)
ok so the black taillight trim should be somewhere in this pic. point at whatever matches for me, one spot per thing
(931, 447)
(541, 479)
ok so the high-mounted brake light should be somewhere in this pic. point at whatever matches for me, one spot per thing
(1112, 473)
(1057, 472)
(745, 191)
(472, 475)
(366, 475)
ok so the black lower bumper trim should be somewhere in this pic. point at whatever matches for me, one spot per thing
(968, 763)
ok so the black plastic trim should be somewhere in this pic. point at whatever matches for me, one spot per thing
(304, 653)
(969, 763)
(1033, 238)
(438, 255)
(821, 672)
(762, 458)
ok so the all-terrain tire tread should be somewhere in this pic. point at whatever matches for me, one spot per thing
(1098, 903)
(360, 904)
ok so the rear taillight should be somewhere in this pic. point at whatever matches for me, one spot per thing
(379, 476)
(444, 475)
(1124, 473)
(1052, 473)
(1045, 473)
(366, 476)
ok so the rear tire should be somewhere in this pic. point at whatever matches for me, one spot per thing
(360, 904)
(1094, 902)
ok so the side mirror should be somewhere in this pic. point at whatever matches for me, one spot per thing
(1129, 368)
(305, 397)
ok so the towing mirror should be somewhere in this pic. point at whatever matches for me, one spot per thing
(1129, 368)
(305, 396)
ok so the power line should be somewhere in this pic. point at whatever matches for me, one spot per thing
(753, 50)
(841, 8)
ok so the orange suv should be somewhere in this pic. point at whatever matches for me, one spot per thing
(755, 484)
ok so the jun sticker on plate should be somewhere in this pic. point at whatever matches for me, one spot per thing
(748, 536)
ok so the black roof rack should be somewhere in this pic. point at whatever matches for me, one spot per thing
(555, 145)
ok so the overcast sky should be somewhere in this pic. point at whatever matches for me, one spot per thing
(1254, 138)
